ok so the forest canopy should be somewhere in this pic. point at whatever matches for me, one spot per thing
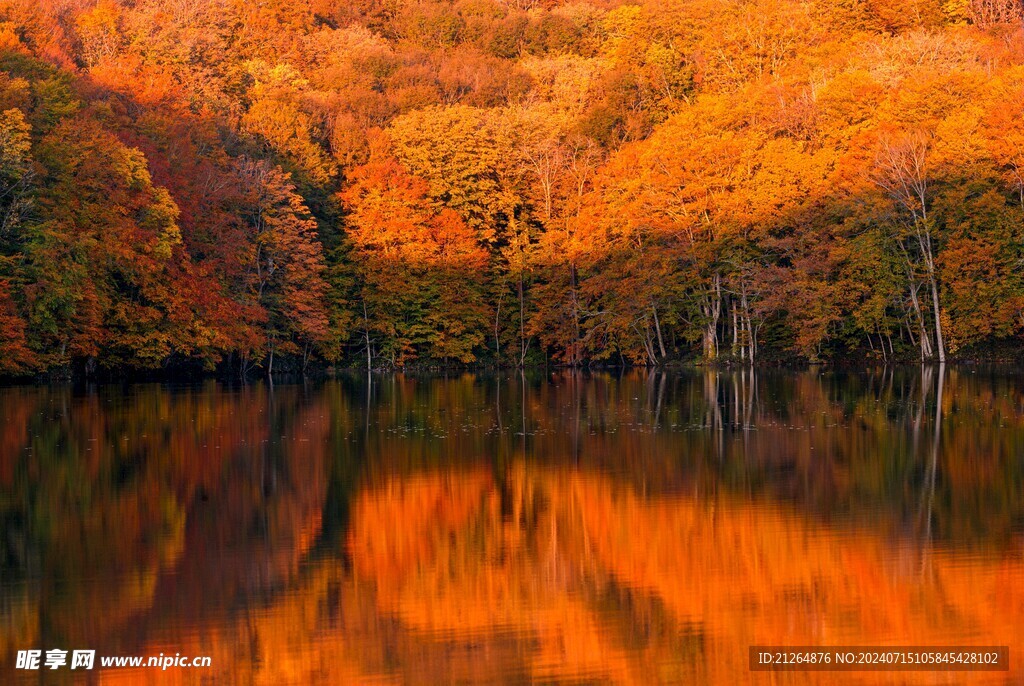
(214, 184)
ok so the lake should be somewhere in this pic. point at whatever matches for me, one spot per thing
(637, 527)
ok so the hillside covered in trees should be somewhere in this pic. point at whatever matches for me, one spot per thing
(239, 184)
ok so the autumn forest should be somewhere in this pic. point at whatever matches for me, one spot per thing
(257, 186)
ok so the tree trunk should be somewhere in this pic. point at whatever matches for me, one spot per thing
(749, 342)
(939, 343)
(576, 354)
(752, 339)
(657, 328)
(735, 333)
(522, 326)
(712, 307)
(645, 338)
(366, 332)
(497, 338)
(923, 338)
(924, 240)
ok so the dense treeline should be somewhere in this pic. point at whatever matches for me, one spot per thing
(222, 182)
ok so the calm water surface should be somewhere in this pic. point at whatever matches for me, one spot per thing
(641, 528)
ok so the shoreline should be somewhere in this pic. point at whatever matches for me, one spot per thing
(321, 373)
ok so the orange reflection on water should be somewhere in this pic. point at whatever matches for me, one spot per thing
(557, 575)
(733, 572)
(630, 531)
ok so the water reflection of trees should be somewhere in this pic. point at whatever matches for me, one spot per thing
(625, 528)
(118, 510)
(856, 446)
(687, 579)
